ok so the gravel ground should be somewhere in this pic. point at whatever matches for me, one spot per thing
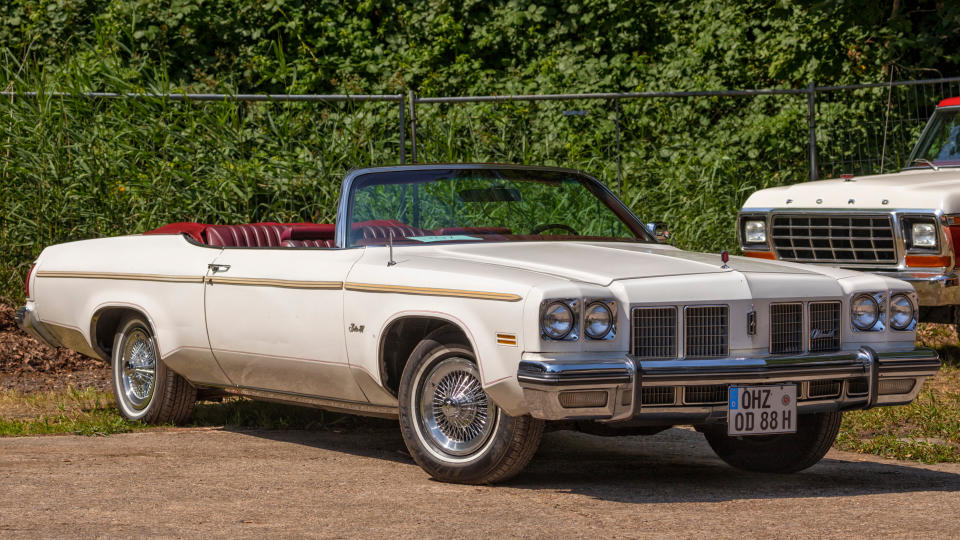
(360, 482)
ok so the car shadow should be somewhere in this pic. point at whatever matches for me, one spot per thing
(678, 465)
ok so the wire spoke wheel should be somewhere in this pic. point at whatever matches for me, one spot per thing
(139, 369)
(456, 417)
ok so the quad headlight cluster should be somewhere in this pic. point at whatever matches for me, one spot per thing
(868, 312)
(563, 319)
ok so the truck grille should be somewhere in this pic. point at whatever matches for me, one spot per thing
(786, 328)
(824, 326)
(850, 239)
(706, 331)
(655, 332)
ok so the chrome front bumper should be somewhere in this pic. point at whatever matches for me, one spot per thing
(865, 379)
(28, 322)
(932, 289)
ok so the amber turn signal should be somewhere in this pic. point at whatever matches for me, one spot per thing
(761, 255)
(928, 261)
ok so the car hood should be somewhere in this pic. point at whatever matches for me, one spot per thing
(602, 263)
(913, 189)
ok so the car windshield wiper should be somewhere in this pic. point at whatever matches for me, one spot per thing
(926, 162)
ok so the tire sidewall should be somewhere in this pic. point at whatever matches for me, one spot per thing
(466, 469)
(148, 413)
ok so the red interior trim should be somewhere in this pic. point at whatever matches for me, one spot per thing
(950, 102)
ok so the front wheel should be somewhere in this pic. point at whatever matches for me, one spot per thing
(144, 388)
(451, 427)
(778, 453)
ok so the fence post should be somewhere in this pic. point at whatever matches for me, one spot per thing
(812, 122)
(413, 127)
(403, 130)
(619, 161)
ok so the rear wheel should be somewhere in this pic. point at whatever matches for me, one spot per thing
(778, 453)
(144, 388)
(451, 427)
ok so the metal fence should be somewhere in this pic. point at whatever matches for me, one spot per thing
(858, 129)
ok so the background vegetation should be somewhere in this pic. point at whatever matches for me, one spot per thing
(72, 169)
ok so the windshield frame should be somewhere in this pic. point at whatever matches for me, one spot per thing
(345, 208)
(923, 136)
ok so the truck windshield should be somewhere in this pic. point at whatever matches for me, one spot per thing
(484, 205)
(940, 144)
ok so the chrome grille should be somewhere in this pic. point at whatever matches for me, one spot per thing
(843, 239)
(786, 328)
(706, 331)
(824, 326)
(707, 393)
(824, 389)
(655, 332)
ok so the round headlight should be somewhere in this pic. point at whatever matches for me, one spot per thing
(901, 312)
(755, 232)
(597, 320)
(557, 320)
(864, 312)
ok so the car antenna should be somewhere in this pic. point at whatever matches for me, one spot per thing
(391, 262)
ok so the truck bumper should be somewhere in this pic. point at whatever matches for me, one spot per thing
(28, 322)
(932, 289)
(667, 392)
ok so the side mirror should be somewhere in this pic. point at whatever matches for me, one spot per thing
(660, 230)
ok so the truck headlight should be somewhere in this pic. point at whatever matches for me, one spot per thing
(864, 312)
(598, 320)
(558, 320)
(902, 312)
(923, 235)
(754, 232)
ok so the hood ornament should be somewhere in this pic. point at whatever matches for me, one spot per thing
(725, 257)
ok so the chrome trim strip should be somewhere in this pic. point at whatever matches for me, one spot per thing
(27, 320)
(282, 283)
(429, 291)
(118, 276)
(336, 405)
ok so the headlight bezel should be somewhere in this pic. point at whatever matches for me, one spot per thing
(878, 301)
(910, 226)
(911, 323)
(573, 305)
(742, 229)
(610, 307)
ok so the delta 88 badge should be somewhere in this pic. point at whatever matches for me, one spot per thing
(762, 410)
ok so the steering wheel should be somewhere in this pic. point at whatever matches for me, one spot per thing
(540, 228)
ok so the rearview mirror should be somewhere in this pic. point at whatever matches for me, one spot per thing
(660, 230)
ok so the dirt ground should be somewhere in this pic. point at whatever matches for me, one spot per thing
(360, 482)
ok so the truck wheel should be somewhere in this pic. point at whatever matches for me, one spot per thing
(144, 388)
(450, 426)
(778, 453)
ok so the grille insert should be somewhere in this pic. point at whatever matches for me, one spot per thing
(706, 331)
(786, 328)
(857, 387)
(707, 393)
(655, 332)
(824, 389)
(824, 326)
(849, 239)
(657, 395)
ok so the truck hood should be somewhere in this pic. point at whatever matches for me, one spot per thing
(602, 263)
(908, 190)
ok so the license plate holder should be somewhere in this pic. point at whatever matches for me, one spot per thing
(762, 410)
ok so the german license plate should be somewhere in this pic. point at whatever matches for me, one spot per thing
(762, 410)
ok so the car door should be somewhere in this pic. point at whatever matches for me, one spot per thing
(275, 319)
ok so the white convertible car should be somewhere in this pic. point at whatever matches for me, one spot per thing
(477, 303)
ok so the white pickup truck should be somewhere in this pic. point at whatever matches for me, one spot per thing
(904, 225)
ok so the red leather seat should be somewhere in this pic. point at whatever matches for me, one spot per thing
(380, 230)
(245, 235)
(329, 243)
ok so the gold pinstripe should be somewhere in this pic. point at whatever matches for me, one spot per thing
(120, 276)
(429, 291)
(283, 283)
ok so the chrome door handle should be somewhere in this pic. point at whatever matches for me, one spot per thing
(218, 267)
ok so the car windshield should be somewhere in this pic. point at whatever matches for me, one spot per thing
(940, 145)
(483, 205)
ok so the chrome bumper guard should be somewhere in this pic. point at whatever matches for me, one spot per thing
(552, 386)
(27, 321)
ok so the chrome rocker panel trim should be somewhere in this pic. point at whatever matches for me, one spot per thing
(543, 379)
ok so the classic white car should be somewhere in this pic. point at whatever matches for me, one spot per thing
(904, 225)
(475, 303)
